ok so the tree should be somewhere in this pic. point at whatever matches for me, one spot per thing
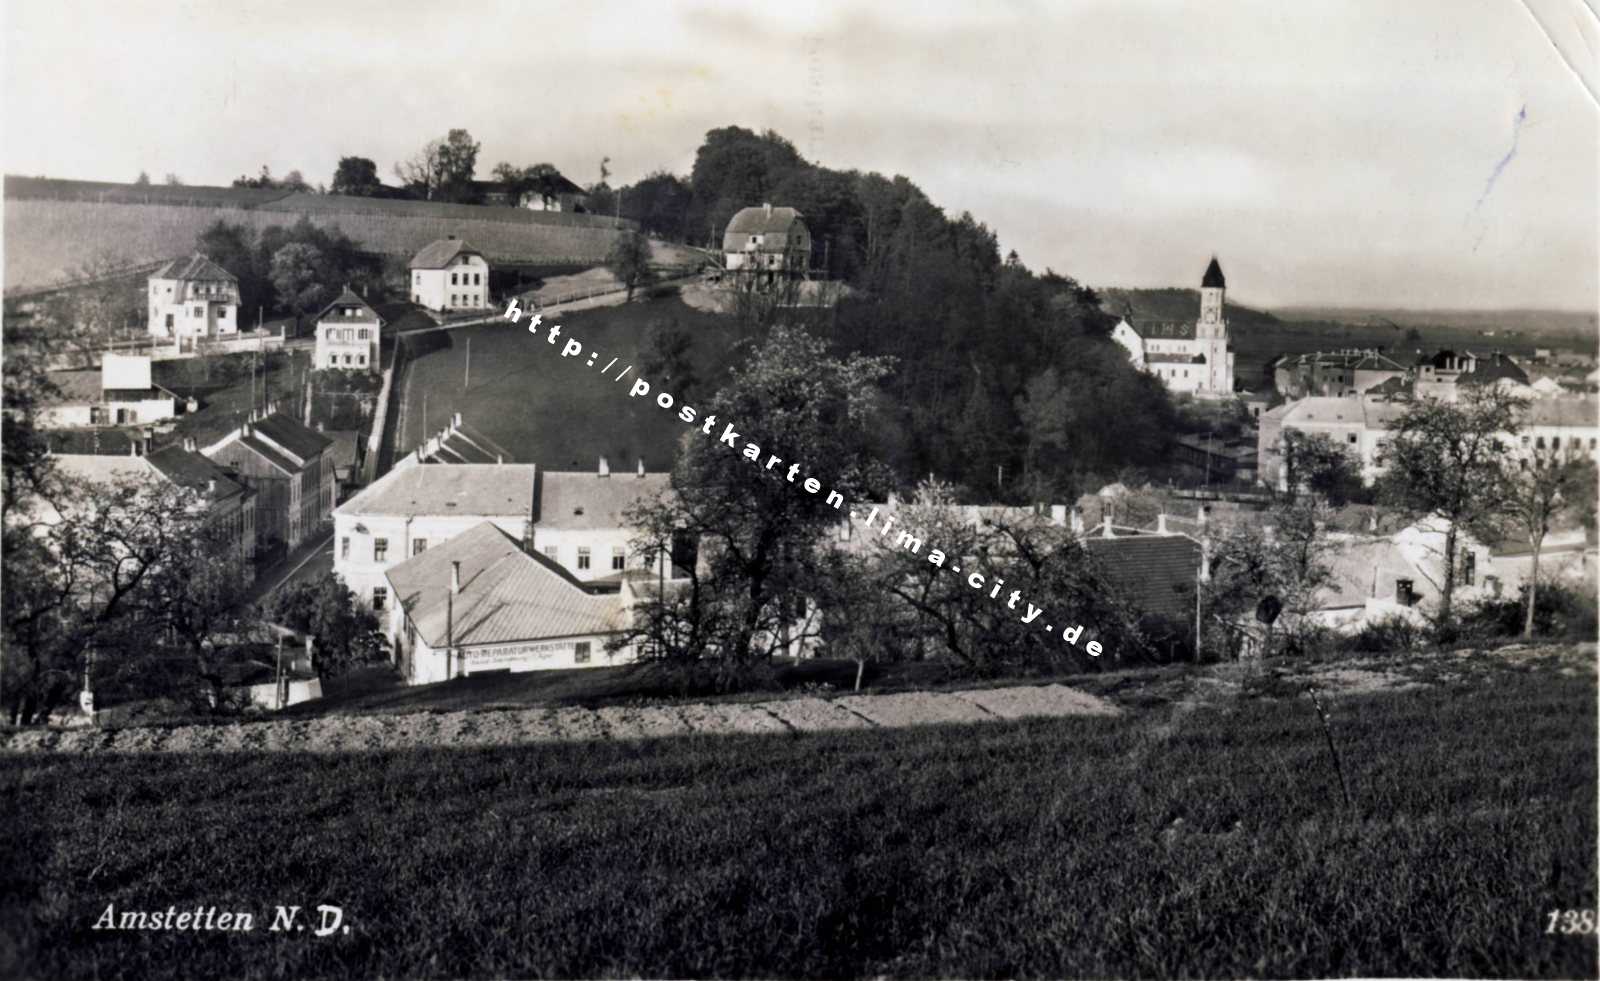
(669, 358)
(1549, 487)
(1313, 462)
(172, 180)
(143, 180)
(424, 171)
(629, 260)
(263, 180)
(297, 276)
(1446, 460)
(346, 631)
(759, 536)
(294, 181)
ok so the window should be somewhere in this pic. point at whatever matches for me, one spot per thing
(1351, 439)
(222, 314)
(419, 546)
(477, 279)
(453, 279)
(580, 652)
(619, 557)
(1469, 568)
(1538, 444)
(361, 334)
(380, 596)
(199, 311)
(1555, 442)
(169, 320)
(1591, 442)
(344, 547)
(333, 360)
(380, 549)
(347, 359)
(1404, 592)
(583, 556)
(361, 360)
(552, 552)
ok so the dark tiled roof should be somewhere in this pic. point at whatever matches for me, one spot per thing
(1492, 369)
(365, 314)
(1163, 329)
(1154, 573)
(195, 266)
(270, 455)
(506, 594)
(439, 254)
(1213, 277)
(191, 470)
(298, 439)
(77, 387)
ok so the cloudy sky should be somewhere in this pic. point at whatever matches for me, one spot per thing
(1418, 154)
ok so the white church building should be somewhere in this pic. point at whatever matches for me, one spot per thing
(1190, 356)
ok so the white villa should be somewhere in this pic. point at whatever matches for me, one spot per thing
(450, 275)
(347, 335)
(193, 298)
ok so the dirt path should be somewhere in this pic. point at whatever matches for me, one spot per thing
(539, 725)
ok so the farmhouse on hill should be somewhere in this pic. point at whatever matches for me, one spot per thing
(448, 274)
(347, 335)
(767, 240)
(1190, 356)
(192, 298)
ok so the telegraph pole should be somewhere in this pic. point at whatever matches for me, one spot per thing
(467, 382)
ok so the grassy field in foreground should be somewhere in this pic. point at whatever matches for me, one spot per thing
(556, 412)
(1213, 842)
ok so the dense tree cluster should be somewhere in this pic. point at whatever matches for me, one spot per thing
(294, 269)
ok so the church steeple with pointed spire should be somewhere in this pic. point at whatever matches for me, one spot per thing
(1213, 285)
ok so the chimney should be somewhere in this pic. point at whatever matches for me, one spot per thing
(211, 487)
(641, 466)
(1161, 524)
(499, 458)
(1105, 528)
(1058, 514)
(455, 421)
(605, 468)
(766, 207)
(189, 444)
(455, 578)
(1200, 515)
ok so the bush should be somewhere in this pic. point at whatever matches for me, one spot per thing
(1559, 611)
(1393, 634)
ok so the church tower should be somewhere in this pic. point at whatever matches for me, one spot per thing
(1212, 288)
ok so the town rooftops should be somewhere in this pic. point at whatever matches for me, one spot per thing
(187, 468)
(182, 467)
(195, 266)
(1493, 368)
(1334, 410)
(506, 594)
(87, 387)
(440, 254)
(1155, 574)
(1213, 279)
(490, 490)
(763, 220)
(349, 301)
(573, 501)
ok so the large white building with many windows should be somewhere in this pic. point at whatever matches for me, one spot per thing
(450, 275)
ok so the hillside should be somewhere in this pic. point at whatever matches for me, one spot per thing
(54, 226)
(1191, 832)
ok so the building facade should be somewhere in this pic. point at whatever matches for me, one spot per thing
(191, 299)
(119, 394)
(581, 526)
(1191, 357)
(767, 241)
(419, 506)
(450, 275)
(291, 469)
(347, 335)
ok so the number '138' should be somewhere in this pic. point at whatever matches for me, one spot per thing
(1571, 921)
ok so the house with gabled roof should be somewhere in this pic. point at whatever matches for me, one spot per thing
(479, 603)
(121, 393)
(192, 298)
(448, 274)
(292, 469)
(347, 335)
(767, 240)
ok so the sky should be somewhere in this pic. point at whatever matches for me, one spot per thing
(1431, 153)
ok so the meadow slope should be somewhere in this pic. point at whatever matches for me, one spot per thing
(1207, 835)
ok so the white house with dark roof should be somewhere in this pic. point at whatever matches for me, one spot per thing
(450, 275)
(1191, 356)
(347, 335)
(121, 393)
(769, 240)
(581, 521)
(192, 298)
(419, 506)
(479, 603)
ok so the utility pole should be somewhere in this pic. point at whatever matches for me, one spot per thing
(467, 382)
